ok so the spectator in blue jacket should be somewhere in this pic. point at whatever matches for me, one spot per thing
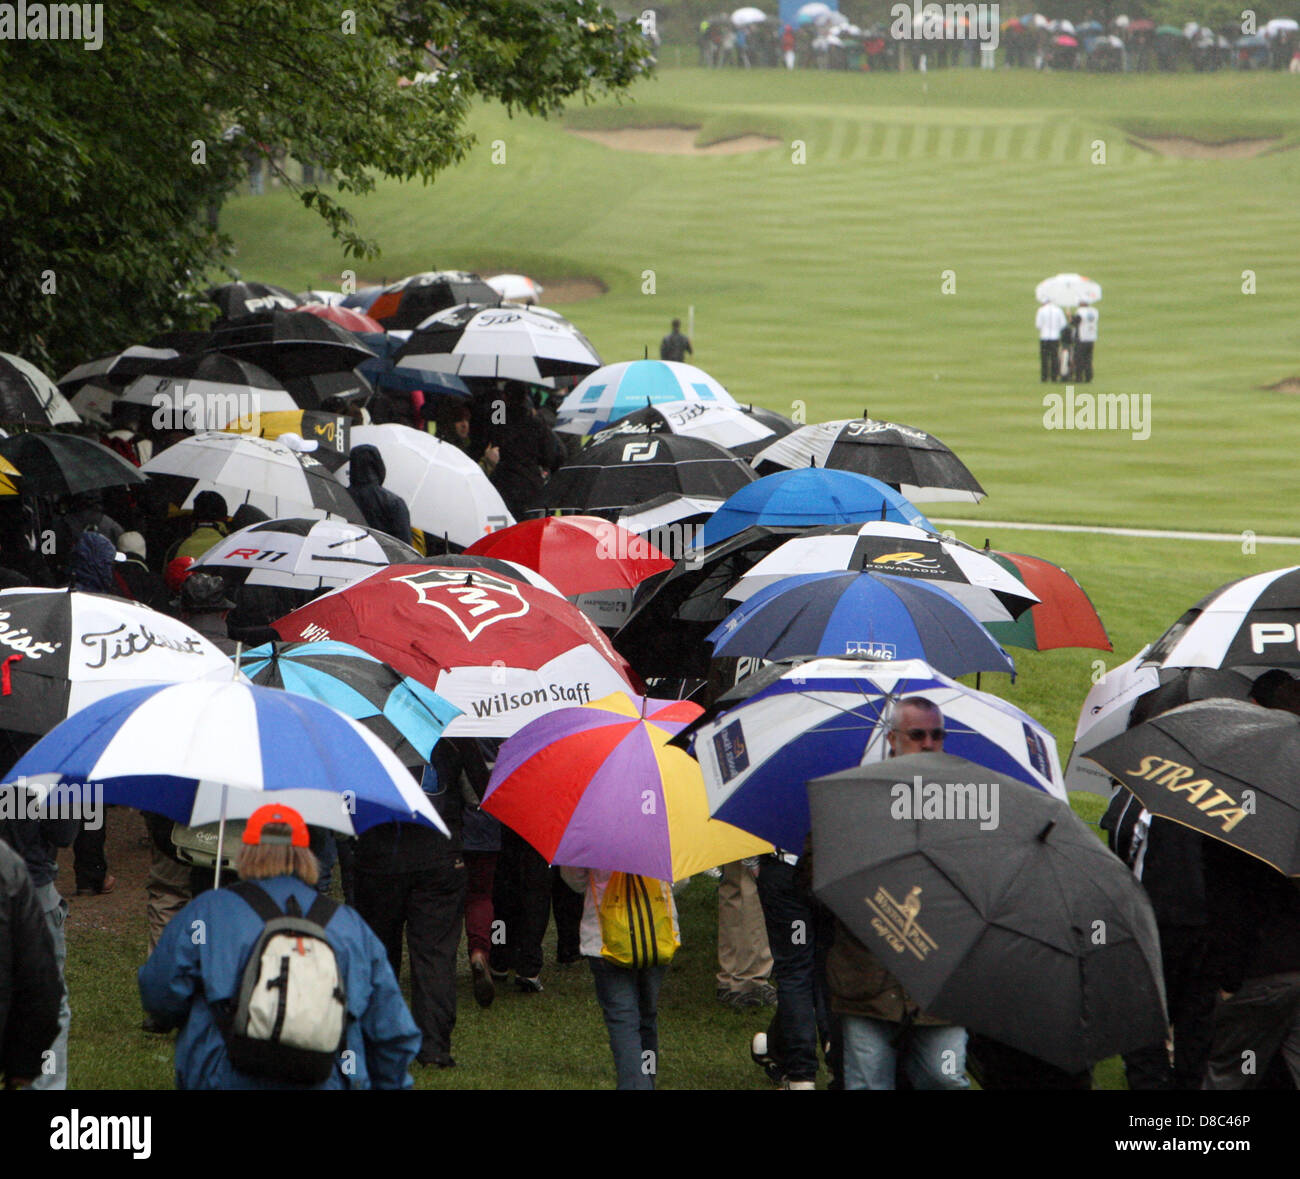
(198, 964)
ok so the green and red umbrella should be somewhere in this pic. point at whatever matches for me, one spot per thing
(1064, 616)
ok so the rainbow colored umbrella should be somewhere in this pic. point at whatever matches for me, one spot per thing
(1063, 617)
(600, 787)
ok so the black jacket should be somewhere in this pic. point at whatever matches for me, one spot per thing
(30, 987)
(381, 508)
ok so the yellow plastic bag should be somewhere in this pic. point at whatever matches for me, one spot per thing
(636, 922)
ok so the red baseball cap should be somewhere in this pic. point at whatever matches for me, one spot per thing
(178, 569)
(275, 813)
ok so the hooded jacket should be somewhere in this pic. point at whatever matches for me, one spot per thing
(30, 986)
(91, 567)
(381, 508)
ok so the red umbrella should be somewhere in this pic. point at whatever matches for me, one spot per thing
(592, 562)
(1064, 617)
(346, 317)
(503, 652)
(1067, 41)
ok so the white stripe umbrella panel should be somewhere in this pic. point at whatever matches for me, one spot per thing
(723, 425)
(28, 395)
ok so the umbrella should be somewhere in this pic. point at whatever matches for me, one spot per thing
(313, 390)
(306, 554)
(778, 423)
(730, 428)
(445, 490)
(389, 376)
(1068, 290)
(518, 288)
(658, 516)
(870, 614)
(808, 497)
(599, 787)
(325, 436)
(616, 390)
(1064, 615)
(1169, 31)
(502, 652)
(914, 463)
(1066, 42)
(980, 584)
(510, 569)
(743, 17)
(207, 391)
(28, 395)
(405, 715)
(348, 318)
(1281, 24)
(781, 726)
(994, 928)
(289, 343)
(622, 471)
(595, 564)
(514, 342)
(1225, 768)
(234, 299)
(809, 13)
(206, 752)
(410, 301)
(245, 469)
(1249, 623)
(1104, 714)
(1141, 26)
(65, 464)
(8, 473)
(66, 650)
(115, 371)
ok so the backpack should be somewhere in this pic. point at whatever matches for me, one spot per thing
(636, 922)
(289, 1021)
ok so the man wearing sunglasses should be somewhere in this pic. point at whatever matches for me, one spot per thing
(884, 1030)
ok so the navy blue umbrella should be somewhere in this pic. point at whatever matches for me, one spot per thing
(872, 615)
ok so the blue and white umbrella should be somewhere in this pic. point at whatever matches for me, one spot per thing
(807, 498)
(830, 714)
(616, 390)
(872, 615)
(203, 752)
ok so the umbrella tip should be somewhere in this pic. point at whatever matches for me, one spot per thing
(986, 544)
(647, 352)
(1043, 834)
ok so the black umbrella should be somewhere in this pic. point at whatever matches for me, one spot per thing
(1225, 768)
(992, 904)
(65, 464)
(914, 463)
(621, 472)
(314, 389)
(776, 422)
(247, 298)
(28, 396)
(289, 343)
(1182, 685)
(408, 303)
(117, 370)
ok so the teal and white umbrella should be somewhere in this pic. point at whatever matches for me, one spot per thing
(616, 390)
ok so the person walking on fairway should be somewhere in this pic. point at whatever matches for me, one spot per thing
(1085, 339)
(1049, 321)
(675, 345)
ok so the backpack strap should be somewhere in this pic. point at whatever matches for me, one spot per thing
(322, 910)
(257, 898)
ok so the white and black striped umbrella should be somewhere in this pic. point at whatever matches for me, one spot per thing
(510, 341)
(307, 554)
(1251, 623)
(209, 391)
(916, 464)
(411, 300)
(116, 370)
(981, 585)
(244, 469)
(28, 395)
(248, 298)
(722, 425)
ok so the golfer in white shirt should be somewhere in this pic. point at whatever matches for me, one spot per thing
(1087, 338)
(1049, 321)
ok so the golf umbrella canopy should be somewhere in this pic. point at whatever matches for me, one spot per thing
(445, 490)
(807, 498)
(289, 343)
(1064, 616)
(1068, 290)
(235, 299)
(1250, 623)
(914, 463)
(1225, 768)
(302, 553)
(518, 288)
(115, 371)
(784, 725)
(515, 342)
(209, 391)
(874, 615)
(625, 471)
(981, 585)
(65, 464)
(737, 431)
(748, 16)
(600, 787)
(203, 752)
(1105, 714)
(616, 390)
(348, 318)
(8, 473)
(405, 715)
(28, 396)
(502, 652)
(63, 650)
(991, 923)
(246, 469)
(410, 301)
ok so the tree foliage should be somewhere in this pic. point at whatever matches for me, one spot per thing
(114, 161)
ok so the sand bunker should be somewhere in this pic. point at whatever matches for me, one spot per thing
(1193, 149)
(1288, 385)
(570, 290)
(674, 141)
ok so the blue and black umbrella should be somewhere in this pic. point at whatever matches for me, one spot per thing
(405, 715)
(872, 615)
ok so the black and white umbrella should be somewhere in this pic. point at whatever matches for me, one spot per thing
(289, 343)
(975, 580)
(65, 650)
(732, 429)
(409, 302)
(518, 343)
(207, 391)
(916, 464)
(624, 471)
(244, 469)
(116, 370)
(1250, 623)
(65, 464)
(306, 554)
(27, 395)
(248, 298)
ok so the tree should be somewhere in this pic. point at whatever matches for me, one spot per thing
(116, 160)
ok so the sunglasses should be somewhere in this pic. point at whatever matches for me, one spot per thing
(921, 734)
